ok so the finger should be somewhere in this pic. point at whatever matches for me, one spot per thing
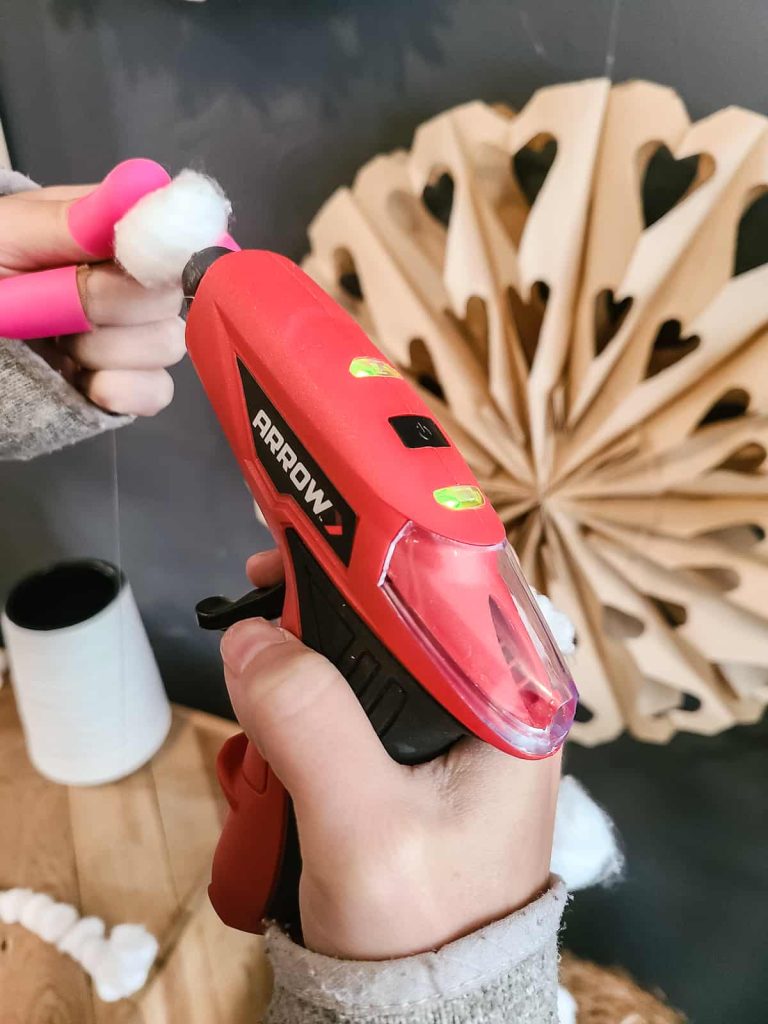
(305, 720)
(66, 192)
(111, 297)
(265, 568)
(129, 392)
(35, 235)
(145, 347)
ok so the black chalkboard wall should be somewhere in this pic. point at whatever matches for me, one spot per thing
(282, 100)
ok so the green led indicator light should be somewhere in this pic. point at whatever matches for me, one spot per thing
(362, 366)
(459, 498)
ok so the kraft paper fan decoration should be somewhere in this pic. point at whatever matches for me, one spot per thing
(578, 290)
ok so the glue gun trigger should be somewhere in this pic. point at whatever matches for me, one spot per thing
(221, 613)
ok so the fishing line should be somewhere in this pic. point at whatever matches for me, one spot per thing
(613, 38)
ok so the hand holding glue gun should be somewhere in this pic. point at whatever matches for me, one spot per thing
(83, 265)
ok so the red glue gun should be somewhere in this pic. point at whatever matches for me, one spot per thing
(397, 568)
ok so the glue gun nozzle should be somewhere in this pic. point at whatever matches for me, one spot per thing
(197, 265)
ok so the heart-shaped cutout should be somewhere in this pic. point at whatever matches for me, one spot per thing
(752, 236)
(741, 537)
(669, 347)
(609, 316)
(667, 181)
(532, 164)
(681, 701)
(621, 625)
(422, 368)
(473, 327)
(438, 198)
(583, 714)
(347, 276)
(747, 459)
(529, 316)
(729, 406)
(719, 577)
(672, 613)
(689, 702)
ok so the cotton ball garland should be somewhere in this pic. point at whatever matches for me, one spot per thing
(156, 238)
(119, 964)
(585, 848)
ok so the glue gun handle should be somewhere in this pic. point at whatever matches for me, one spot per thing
(250, 850)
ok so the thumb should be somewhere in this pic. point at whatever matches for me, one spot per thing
(303, 716)
(62, 230)
(35, 235)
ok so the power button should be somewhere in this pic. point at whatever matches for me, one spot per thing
(418, 432)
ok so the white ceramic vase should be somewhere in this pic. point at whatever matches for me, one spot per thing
(87, 685)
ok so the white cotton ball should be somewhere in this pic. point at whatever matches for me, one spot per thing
(124, 962)
(560, 625)
(156, 238)
(132, 981)
(12, 903)
(112, 980)
(57, 922)
(106, 990)
(73, 940)
(567, 1010)
(90, 952)
(34, 910)
(134, 945)
(585, 849)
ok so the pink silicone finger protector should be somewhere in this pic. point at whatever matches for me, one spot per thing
(92, 219)
(41, 304)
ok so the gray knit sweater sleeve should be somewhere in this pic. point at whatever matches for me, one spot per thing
(39, 410)
(505, 973)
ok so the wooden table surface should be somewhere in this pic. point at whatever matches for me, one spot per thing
(138, 850)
